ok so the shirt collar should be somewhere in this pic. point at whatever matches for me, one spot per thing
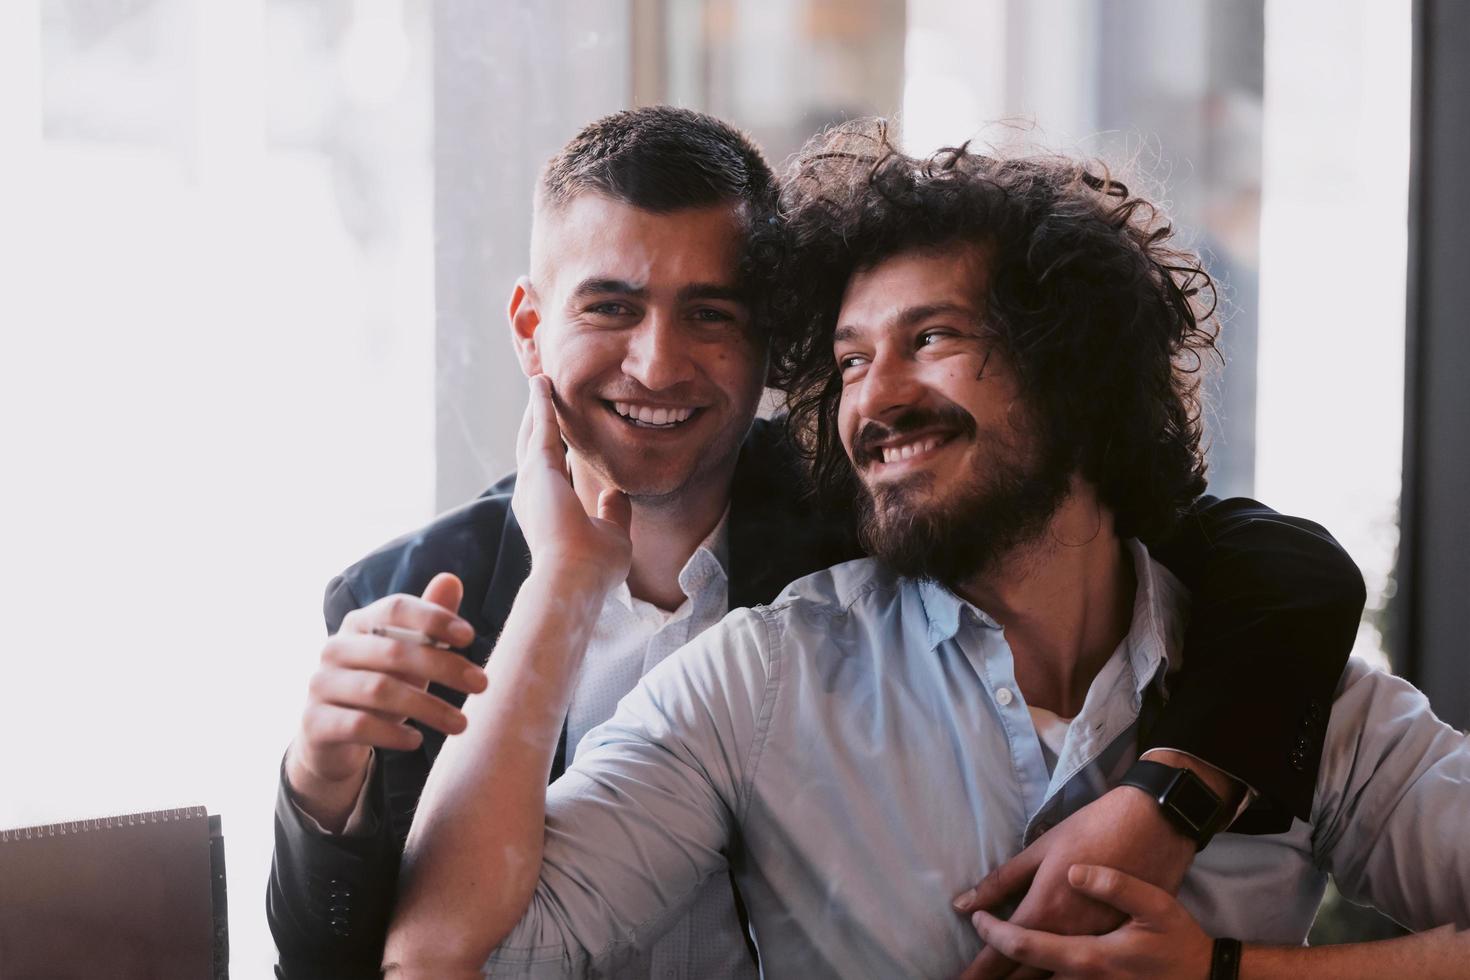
(945, 609)
(705, 568)
(1160, 607)
(1155, 635)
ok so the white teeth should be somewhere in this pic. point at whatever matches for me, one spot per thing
(652, 416)
(894, 454)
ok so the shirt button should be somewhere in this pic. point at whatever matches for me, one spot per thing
(1004, 696)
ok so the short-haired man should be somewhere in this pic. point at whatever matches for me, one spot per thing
(1006, 351)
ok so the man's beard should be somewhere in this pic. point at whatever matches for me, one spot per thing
(990, 516)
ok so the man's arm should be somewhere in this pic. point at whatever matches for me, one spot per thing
(1160, 939)
(593, 870)
(468, 875)
(1275, 604)
(1275, 607)
(330, 891)
(1393, 796)
(1388, 823)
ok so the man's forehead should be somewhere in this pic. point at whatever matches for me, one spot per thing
(594, 237)
(914, 285)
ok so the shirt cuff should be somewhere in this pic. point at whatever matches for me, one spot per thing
(359, 820)
(1246, 800)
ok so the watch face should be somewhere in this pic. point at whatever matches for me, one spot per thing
(1193, 800)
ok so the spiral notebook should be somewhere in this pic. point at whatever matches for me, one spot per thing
(139, 895)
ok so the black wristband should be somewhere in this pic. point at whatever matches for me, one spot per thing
(1225, 962)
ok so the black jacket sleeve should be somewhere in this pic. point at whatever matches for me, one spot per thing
(330, 896)
(1276, 604)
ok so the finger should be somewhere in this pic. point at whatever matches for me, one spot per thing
(446, 590)
(1005, 882)
(523, 436)
(1043, 950)
(412, 612)
(546, 433)
(614, 506)
(1129, 895)
(333, 724)
(368, 690)
(411, 663)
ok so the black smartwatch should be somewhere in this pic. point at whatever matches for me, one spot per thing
(1187, 802)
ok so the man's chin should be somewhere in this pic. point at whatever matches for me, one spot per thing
(903, 497)
(652, 485)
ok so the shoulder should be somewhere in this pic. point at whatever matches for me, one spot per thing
(827, 608)
(836, 591)
(466, 540)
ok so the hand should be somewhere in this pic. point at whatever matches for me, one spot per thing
(557, 528)
(366, 687)
(1159, 939)
(1122, 829)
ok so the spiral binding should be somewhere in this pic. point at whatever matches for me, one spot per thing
(103, 823)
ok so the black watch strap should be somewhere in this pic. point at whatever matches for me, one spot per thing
(1225, 961)
(1185, 799)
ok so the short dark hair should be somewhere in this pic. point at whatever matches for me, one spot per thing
(662, 159)
(1105, 322)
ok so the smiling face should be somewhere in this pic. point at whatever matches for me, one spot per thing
(636, 318)
(933, 419)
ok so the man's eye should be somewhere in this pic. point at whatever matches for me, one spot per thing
(712, 315)
(930, 337)
(845, 361)
(609, 309)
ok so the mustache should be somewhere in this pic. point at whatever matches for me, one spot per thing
(865, 449)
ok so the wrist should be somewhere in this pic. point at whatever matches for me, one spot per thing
(1182, 798)
(1231, 790)
(329, 800)
(570, 574)
(1147, 815)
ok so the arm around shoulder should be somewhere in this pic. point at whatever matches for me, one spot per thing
(1275, 609)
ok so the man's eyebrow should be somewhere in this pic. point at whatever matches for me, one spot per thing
(598, 286)
(710, 290)
(911, 315)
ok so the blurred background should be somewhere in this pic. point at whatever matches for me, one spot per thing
(256, 254)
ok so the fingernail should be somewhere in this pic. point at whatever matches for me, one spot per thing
(1078, 874)
(474, 678)
(981, 921)
(962, 903)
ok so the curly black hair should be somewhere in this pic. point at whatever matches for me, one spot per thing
(1106, 323)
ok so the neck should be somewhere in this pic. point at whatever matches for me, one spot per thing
(665, 530)
(1065, 600)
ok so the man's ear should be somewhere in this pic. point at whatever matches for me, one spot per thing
(524, 319)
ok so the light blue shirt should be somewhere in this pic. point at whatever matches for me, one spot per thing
(859, 753)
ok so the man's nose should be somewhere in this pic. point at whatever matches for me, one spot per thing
(889, 386)
(658, 354)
